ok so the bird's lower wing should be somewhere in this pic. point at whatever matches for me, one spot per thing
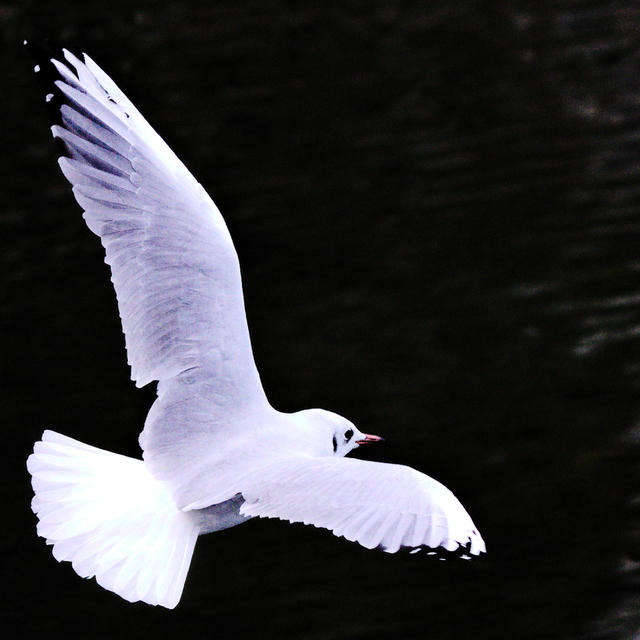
(377, 505)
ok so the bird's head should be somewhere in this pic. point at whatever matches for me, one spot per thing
(333, 434)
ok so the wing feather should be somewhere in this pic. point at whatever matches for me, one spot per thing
(173, 264)
(375, 504)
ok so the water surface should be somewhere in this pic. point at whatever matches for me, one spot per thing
(436, 211)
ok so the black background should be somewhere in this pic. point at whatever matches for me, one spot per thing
(435, 205)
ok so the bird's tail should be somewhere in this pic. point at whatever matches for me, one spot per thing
(107, 515)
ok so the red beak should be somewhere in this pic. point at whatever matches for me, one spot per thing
(369, 439)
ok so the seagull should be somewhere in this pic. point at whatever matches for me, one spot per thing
(215, 453)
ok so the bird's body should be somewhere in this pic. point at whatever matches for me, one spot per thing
(215, 453)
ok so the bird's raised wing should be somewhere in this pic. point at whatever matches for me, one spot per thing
(378, 505)
(173, 264)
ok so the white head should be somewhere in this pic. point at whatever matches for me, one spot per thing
(332, 434)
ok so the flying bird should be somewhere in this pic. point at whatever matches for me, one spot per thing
(215, 453)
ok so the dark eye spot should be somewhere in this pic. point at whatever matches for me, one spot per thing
(335, 444)
(348, 433)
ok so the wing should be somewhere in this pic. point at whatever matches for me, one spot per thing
(378, 505)
(173, 264)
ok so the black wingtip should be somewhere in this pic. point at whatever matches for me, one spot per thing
(462, 552)
(41, 51)
(47, 74)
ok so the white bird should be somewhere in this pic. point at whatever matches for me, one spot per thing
(215, 453)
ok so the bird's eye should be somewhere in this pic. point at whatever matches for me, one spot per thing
(335, 444)
(348, 433)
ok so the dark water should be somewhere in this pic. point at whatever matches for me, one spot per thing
(436, 208)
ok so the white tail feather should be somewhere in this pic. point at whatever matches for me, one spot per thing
(107, 515)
